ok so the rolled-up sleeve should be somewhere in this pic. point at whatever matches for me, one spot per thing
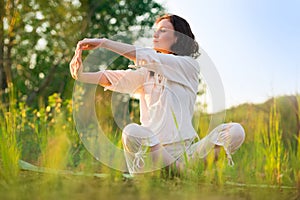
(180, 69)
(125, 81)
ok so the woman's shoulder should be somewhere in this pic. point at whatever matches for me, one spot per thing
(188, 61)
(150, 56)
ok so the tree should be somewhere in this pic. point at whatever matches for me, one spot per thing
(9, 18)
(38, 38)
(2, 75)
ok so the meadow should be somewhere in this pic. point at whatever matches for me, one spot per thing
(266, 166)
(42, 155)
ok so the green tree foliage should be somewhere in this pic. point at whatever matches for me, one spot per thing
(38, 38)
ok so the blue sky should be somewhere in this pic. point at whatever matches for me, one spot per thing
(255, 45)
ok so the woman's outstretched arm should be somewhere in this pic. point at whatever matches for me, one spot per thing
(76, 70)
(123, 49)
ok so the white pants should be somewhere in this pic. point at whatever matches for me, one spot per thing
(139, 159)
(230, 136)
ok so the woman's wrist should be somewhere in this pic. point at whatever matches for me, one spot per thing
(103, 43)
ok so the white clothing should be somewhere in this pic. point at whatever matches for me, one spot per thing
(229, 135)
(140, 160)
(167, 87)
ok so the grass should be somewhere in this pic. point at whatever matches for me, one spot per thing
(47, 137)
(9, 148)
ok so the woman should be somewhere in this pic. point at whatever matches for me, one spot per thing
(166, 79)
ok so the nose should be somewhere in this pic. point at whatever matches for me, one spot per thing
(155, 34)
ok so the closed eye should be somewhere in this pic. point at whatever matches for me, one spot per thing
(161, 30)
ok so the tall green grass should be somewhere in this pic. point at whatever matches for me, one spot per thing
(274, 153)
(46, 136)
(9, 147)
(264, 159)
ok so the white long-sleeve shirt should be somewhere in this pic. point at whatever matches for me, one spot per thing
(167, 87)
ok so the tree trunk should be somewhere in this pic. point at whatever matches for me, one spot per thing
(46, 82)
(2, 73)
(12, 19)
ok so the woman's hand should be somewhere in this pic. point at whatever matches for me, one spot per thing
(90, 43)
(76, 64)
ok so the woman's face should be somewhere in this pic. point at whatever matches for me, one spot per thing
(164, 36)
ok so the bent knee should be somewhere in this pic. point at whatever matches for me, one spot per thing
(237, 133)
(130, 129)
(136, 131)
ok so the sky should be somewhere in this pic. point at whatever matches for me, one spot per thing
(254, 44)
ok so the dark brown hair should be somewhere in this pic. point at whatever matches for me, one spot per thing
(184, 46)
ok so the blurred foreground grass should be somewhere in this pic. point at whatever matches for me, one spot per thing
(266, 166)
(41, 186)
